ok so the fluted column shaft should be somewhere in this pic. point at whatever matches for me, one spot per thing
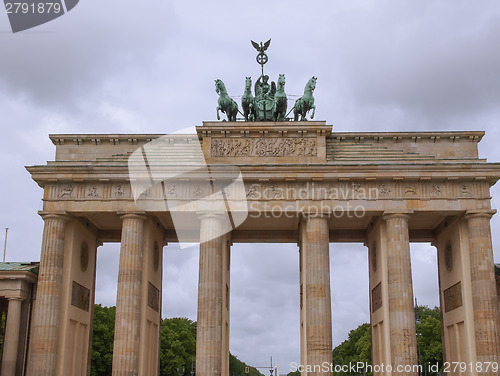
(209, 326)
(11, 338)
(47, 310)
(484, 293)
(128, 298)
(315, 245)
(400, 292)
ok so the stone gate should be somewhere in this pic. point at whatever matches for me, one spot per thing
(301, 184)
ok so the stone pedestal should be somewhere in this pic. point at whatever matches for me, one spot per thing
(47, 312)
(484, 294)
(400, 293)
(316, 314)
(210, 302)
(270, 142)
(11, 338)
(128, 299)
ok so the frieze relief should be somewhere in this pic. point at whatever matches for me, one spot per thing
(264, 147)
(465, 190)
(435, 190)
(67, 191)
(385, 190)
(279, 190)
(94, 191)
(120, 191)
(410, 190)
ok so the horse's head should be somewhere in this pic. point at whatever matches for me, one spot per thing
(281, 80)
(219, 85)
(248, 81)
(311, 84)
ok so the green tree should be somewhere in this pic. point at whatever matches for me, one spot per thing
(356, 348)
(237, 368)
(431, 351)
(177, 346)
(102, 340)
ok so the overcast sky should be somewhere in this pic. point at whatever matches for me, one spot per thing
(122, 66)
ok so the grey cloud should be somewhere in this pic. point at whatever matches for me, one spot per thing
(380, 67)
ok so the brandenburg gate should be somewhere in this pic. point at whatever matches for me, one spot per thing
(286, 182)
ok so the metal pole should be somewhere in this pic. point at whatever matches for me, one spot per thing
(417, 322)
(5, 244)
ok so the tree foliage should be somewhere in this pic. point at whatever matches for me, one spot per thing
(431, 351)
(237, 368)
(102, 340)
(356, 348)
(177, 346)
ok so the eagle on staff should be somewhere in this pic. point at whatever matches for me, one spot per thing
(261, 48)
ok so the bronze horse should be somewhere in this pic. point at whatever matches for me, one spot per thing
(280, 102)
(306, 102)
(248, 101)
(226, 104)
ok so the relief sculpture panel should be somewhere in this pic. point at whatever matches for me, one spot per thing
(264, 147)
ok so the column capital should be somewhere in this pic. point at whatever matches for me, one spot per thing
(54, 215)
(9, 298)
(207, 215)
(480, 214)
(309, 215)
(397, 214)
(136, 215)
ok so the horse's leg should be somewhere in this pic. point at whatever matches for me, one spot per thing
(218, 116)
(314, 111)
(232, 113)
(245, 110)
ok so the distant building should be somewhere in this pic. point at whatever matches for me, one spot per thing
(18, 282)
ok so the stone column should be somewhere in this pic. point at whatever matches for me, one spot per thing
(11, 338)
(484, 294)
(400, 291)
(128, 298)
(316, 286)
(209, 327)
(47, 310)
